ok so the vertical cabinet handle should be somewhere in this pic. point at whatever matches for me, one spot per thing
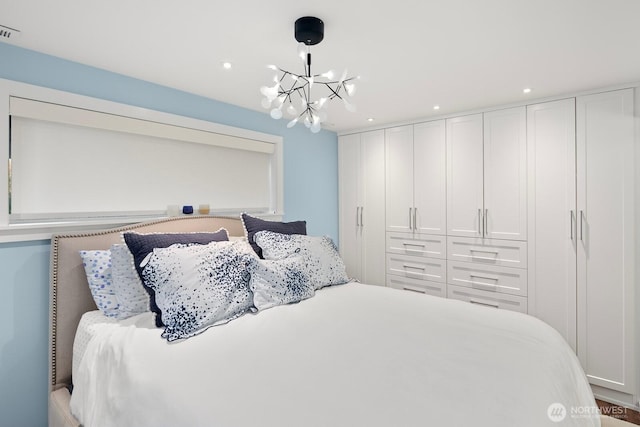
(480, 221)
(357, 216)
(581, 226)
(415, 218)
(361, 221)
(410, 223)
(571, 224)
(486, 222)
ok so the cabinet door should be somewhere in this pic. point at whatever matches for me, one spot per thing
(429, 177)
(349, 220)
(606, 210)
(505, 174)
(399, 178)
(551, 146)
(372, 220)
(464, 176)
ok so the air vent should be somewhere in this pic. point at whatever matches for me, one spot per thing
(7, 33)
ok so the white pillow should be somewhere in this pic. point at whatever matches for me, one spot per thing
(319, 257)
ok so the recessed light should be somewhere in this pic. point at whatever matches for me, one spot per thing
(226, 65)
(526, 90)
(370, 119)
(436, 107)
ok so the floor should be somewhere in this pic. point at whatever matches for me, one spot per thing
(619, 412)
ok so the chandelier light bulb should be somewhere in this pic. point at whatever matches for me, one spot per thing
(328, 75)
(276, 113)
(302, 51)
(292, 123)
(266, 103)
(292, 110)
(322, 101)
(350, 88)
(272, 67)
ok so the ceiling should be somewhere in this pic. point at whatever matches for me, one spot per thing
(410, 54)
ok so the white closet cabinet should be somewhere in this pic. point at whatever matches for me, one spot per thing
(505, 174)
(551, 144)
(582, 235)
(361, 198)
(487, 175)
(464, 176)
(416, 208)
(416, 178)
(605, 233)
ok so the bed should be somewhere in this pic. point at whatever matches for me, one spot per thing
(352, 355)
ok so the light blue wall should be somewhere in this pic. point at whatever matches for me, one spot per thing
(310, 193)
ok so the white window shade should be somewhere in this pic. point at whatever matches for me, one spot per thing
(71, 162)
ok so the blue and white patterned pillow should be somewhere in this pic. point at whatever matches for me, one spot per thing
(279, 282)
(132, 297)
(141, 245)
(97, 267)
(320, 257)
(199, 286)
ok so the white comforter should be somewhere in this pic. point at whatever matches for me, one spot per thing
(353, 355)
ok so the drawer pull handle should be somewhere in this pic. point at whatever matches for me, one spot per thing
(418, 291)
(484, 277)
(484, 250)
(414, 267)
(484, 304)
(421, 245)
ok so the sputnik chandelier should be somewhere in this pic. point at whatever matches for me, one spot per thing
(292, 92)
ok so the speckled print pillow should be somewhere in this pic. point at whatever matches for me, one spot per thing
(319, 257)
(132, 296)
(199, 286)
(279, 282)
(97, 267)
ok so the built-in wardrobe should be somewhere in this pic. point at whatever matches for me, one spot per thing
(532, 208)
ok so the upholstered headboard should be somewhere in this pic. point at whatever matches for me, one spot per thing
(69, 294)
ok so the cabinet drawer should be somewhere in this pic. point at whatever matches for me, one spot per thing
(488, 278)
(417, 244)
(489, 299)
(422, 286)
(432, 269)
(508, 253)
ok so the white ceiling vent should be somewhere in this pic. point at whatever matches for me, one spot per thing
(7, 33)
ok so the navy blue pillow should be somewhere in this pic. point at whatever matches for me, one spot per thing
(252, 225)
(141, 245)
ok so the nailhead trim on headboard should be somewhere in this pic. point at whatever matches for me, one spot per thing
(54, 274)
